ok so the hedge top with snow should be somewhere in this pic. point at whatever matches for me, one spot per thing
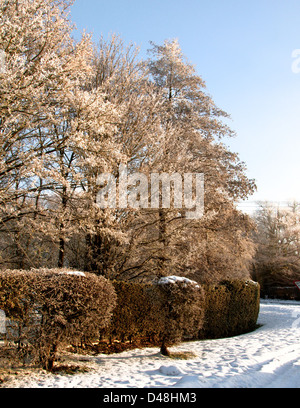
(177, 279)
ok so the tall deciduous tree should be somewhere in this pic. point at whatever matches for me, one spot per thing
(123, 78)
(54, 132)
(70, 112)
(192, 127)
(277, 260)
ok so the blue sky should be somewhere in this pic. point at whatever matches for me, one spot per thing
(243, 51)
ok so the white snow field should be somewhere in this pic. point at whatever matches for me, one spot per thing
(266, 358)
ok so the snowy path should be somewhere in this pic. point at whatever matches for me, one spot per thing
(266, 358)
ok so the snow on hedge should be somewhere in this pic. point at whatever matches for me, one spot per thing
(175, 279)
(251, 282)
(75, 273)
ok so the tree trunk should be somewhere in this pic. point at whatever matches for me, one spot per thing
(48, 359)
(93, 252)
(61, 253)
(162, 239)
(164, 350)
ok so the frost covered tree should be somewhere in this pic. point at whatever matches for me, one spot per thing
(42, 66)
(189, 142)
(54, 132)
(277, 260)
(72, 111)
(119, 74)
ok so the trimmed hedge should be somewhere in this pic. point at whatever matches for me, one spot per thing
(231, 309)
(158, 312)
(183, 306)
(137, 313)
(47, 308)
(161, 313)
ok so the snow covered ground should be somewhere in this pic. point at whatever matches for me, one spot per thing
(266, 358)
